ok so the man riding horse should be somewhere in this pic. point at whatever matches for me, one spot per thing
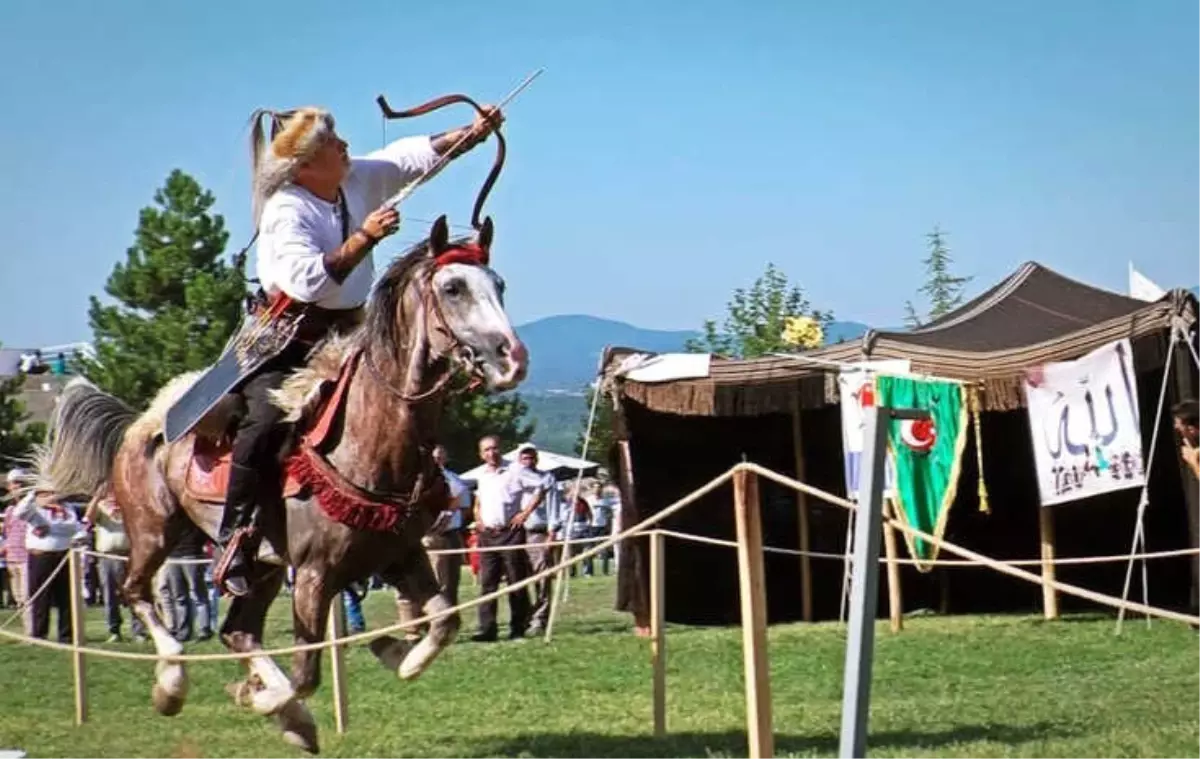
(319, 216)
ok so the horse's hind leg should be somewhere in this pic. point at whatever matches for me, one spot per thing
(416, 581)
(148, 551)
(311, 598)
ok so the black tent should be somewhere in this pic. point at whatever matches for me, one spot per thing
(676, 435)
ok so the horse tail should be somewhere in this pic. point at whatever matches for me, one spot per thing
(83, 436)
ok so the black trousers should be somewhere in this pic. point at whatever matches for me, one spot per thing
(57, 594)
(512, 566)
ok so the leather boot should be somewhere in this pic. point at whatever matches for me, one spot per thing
(240, 500)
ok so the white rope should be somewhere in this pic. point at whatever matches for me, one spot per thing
(1139, 532)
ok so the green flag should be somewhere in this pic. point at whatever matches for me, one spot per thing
(927, 453)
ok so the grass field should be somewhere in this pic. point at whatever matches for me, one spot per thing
(963, 686)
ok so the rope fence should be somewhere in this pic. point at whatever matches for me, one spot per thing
(750, 554)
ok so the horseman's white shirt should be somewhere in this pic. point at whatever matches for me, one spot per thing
(297, 228)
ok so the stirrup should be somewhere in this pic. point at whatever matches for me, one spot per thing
(233, 549)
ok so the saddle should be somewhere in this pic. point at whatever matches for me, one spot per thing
(207, 477)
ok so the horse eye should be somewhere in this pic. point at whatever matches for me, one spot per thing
(454, 288)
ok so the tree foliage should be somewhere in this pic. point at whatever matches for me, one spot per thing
(18, 436)
(470, 416)
(177, 301)
(943, 291)
(757, 319)
(602, 428)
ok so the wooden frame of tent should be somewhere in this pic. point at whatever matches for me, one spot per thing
(1032, 317)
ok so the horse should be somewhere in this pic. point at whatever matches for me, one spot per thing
(359, 484)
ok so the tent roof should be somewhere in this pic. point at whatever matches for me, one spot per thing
(555, 463)
(1033, 316)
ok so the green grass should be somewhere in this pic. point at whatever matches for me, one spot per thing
(963, 686)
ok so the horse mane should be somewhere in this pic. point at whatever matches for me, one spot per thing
(381, 331)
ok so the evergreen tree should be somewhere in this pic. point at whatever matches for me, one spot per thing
(757, 319)
(18, 436)
(943, 290)
(177, 301)
(470, 416)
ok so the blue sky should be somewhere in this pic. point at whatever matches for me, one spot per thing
(670, 150)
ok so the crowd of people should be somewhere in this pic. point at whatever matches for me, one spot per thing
(515, 507)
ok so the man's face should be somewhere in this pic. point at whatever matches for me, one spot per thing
(489, 451)
(330, 162)
(1188, 432)
(439, 456)
(528, 459)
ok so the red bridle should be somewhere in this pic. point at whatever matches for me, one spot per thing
(467, 253)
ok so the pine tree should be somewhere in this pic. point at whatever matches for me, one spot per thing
(17, 435)
(943, 290)
(757, 319)
(177, 300)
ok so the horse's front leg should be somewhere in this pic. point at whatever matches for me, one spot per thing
(311, 598)
(415, 579)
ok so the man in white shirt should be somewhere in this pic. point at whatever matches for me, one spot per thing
(318, 214)
(540, 527)
(501, 508)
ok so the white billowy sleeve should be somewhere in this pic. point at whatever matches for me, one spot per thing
(384, 172)
(290, 258)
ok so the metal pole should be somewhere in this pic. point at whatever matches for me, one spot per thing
(864, 585)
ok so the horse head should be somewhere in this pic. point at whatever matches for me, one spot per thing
(444, 300)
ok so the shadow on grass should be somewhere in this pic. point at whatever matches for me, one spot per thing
(730, 743)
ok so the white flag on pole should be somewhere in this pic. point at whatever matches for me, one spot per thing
(1141, 287)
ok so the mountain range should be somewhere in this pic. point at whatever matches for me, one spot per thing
(565, 350)
(565, 354)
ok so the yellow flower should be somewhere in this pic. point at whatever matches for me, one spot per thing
(803, 332)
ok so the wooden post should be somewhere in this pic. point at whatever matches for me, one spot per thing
(895, 595)
(806, 610)
(747, 512)
(1046, 530)
(337, 664)
(78, 622)
(658, 638)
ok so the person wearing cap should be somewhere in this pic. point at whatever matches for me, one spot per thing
(540, 526)
(319, 214)
(54, 525)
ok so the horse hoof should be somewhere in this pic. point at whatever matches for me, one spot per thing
(298, 726)
(390, 651)
(166, 704)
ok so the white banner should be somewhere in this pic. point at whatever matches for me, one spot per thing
(856, 388)
(1085, 423)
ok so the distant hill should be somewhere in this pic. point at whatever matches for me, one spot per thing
(565, 350)
(565, 356)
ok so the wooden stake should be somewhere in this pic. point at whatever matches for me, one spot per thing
(658, 638)
(754, 613)
(337, 664)
(78, 621)
(806, 609)
(1046, 530)
(895, 595)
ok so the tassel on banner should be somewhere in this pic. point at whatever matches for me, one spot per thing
(976, 403)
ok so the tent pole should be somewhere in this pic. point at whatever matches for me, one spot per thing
(1046, 532)
(1138, 529)
(806, 608)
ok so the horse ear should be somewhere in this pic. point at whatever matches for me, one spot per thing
(485, 234)
(439, 236)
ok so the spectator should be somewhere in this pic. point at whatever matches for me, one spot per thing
(187, 590)
(104, 515)
(580, 529)
(539, 530)
(53, 526)
(15, 533)
(500, 523)
(1187, 426)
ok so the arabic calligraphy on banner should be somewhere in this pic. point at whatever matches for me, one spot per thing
(1085, 423)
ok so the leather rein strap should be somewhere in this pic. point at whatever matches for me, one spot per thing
(442, 102)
